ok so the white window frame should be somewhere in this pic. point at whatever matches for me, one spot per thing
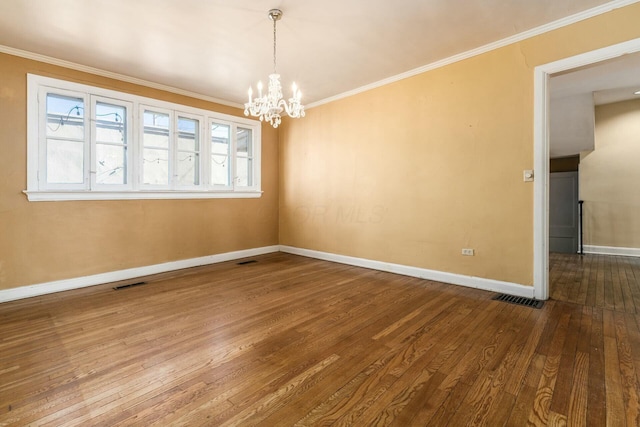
(39, 190)
(170, 148)
(236, 178)
(42, 155)
(229, 156)
(129, 136)
(202, 141)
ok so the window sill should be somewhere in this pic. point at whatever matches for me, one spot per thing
(52, 196)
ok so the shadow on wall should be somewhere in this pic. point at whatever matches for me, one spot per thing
(610, 178)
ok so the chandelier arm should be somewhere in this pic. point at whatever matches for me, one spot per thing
(292, 108)
(284, 104)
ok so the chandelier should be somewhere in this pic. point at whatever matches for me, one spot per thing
(271, 105)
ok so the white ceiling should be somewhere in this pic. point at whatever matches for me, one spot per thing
(218, 48)
(574, 95)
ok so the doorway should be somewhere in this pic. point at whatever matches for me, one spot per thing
(542, 149)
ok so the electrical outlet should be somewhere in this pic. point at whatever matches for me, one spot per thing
(467, 252)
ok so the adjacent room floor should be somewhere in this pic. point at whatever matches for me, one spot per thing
(603, 281)
(288, 340)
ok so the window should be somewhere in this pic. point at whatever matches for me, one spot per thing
(156, 138)
(91, 143)
(220, 154)
(188, 149)
(64, 144)
(112, 138)
(244, 158)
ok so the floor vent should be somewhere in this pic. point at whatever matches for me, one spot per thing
(251, 261)
(527, 302)
(130, 285)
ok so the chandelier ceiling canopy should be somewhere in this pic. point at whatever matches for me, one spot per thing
(270, 106)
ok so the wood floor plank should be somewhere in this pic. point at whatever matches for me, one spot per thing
(596, 398)
(633, 329)
(632, 270)
(621, 300)
(625, 287)
(546, 386)
(616, 412)
(523, 406)
(564, 380)
(592, 288)
(430, 405)
(461, 364)
(321, 389)
(521, 371)
(586, 269)
(409, 362)
(275, 400)
(289, 340)
(584, 332)
(451, 405)
(577, 411)
(628, 377)
(602, 290)
(502, 410)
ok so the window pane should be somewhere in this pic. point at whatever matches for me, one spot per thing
(188, 134)
(220, 170)
(244, 162)
(244, 172)
(220, 149)
(111, 166)
(220, 137)
(155, 167)
(244, 142)
(156, 129)
(188, 168)
(65, 117)
(65, 162)
(110, 123)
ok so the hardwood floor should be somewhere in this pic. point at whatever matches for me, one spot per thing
(603, 281)
(289, 340)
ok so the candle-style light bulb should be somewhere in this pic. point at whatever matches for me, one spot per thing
(260, 89)
(250, 93)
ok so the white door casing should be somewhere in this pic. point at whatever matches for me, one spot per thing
(541, 152)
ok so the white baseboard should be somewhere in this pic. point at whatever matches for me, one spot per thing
(130, 273)
(611, 250)
(423, 273)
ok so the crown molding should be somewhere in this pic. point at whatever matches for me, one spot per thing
(116, 76)
(590, 13)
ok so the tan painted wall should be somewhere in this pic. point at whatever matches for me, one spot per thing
(45, 241)
(414, 171)
(610, 178)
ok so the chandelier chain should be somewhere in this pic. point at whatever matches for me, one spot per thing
(274, 46)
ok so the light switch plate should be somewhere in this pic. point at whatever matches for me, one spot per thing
(527, 175)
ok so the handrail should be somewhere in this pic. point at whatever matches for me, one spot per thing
(580, 202)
